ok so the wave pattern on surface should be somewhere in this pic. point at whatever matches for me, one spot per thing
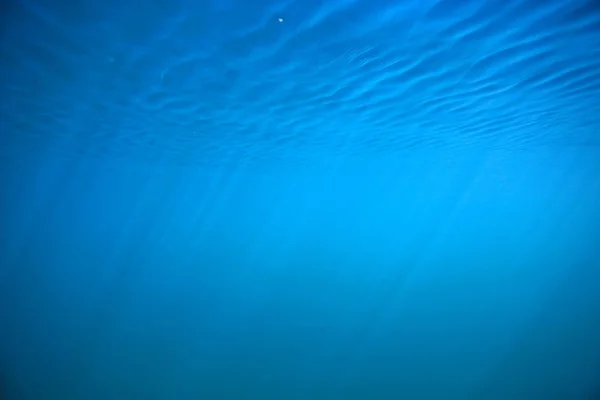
(197, 82)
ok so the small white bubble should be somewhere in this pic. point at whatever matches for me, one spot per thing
(280, 19)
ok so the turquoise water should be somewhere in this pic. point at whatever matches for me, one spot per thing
(300, 199)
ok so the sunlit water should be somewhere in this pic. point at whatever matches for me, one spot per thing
(303, 199)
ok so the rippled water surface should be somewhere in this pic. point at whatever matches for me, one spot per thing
(191, 81)
(300, 199)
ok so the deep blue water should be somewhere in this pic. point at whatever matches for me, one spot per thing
(300, 199)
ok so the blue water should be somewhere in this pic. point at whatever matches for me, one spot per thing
(300, 199)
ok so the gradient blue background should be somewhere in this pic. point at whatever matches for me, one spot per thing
(368, 200)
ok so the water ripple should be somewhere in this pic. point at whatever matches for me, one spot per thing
(194, 82)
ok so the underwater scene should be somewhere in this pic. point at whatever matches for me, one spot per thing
(300, 200)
